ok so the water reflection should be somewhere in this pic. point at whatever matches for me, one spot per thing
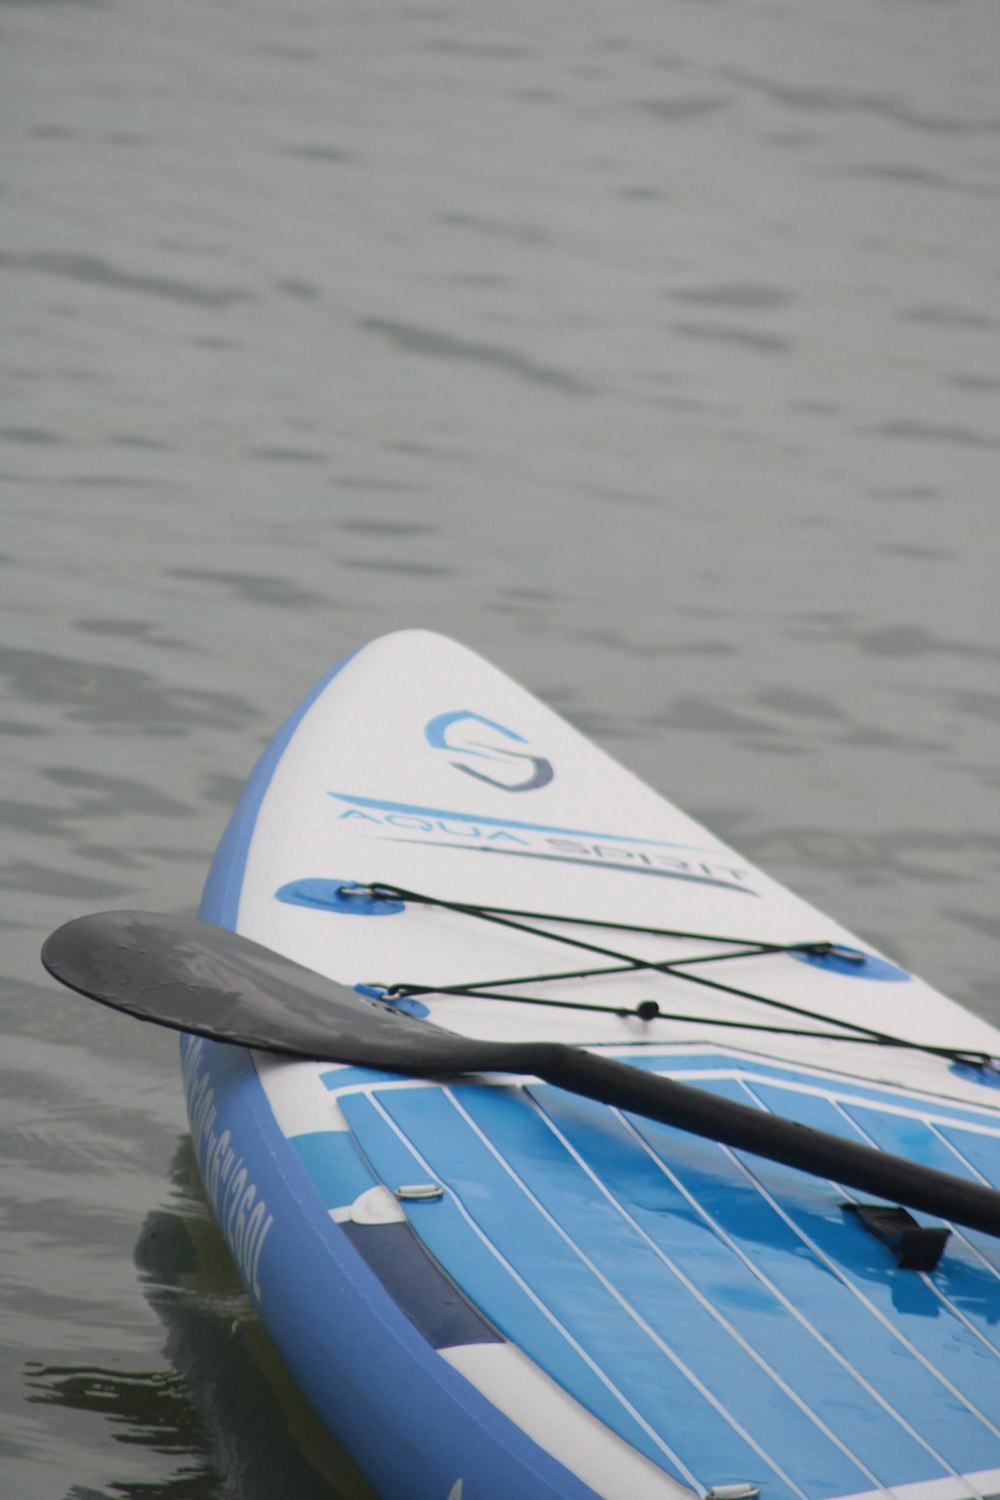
(146, 1407)
(222, 1407)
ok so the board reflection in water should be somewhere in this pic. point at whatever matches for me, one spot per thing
(222, 1410)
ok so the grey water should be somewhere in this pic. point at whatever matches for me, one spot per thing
(652, 349)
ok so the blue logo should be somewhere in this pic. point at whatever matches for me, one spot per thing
(471, 737)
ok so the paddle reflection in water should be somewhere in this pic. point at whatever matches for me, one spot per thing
(222, 1407)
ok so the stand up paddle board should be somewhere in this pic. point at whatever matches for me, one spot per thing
(492, 1288)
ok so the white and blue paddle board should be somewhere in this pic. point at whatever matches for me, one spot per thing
(492, 1289)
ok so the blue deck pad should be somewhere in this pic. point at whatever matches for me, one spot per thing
(335, 1165)
(982, 1152)
(738, 1289)
(651, 1382)
(861, 1287)
(344, 1076)
(732, 1200)
(742, 1065)
(968, 1274)
(981, 1155)
(910, 1301)
(608, 1237)
(454, 1243)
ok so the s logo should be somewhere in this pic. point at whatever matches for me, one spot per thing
(469, 736)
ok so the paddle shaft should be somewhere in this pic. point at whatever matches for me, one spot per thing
(746, 1128)
(178, 972)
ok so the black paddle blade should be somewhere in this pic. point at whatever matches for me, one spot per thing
(190, 976)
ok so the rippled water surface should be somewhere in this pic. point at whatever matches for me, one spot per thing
(651, 349)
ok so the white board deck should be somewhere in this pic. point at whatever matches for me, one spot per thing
(657, 1315)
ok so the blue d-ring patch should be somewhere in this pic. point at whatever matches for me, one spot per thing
(405, 1003)
(345, 897)
(854, 963)
(987, 1075)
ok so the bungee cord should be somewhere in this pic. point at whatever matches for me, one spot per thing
(648, 1010)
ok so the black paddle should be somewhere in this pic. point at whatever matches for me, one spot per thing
(190, 976)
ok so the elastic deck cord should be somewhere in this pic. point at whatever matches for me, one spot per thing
(650, 1010)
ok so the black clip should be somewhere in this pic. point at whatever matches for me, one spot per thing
(916, 1247)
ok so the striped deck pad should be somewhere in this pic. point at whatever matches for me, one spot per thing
(719, 1312)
